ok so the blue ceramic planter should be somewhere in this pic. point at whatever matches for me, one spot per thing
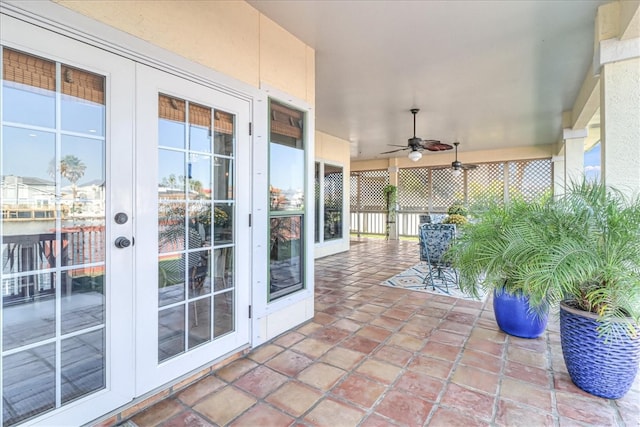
(513, 316)
(603, 368)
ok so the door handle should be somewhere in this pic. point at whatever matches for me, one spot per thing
(122, 242)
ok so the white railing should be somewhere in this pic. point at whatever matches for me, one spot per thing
(374, 222)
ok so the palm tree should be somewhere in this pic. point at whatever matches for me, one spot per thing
(72, 168)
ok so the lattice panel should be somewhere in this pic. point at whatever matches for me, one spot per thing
(485, 183)
(446, 189)
(529, 179)
(333, 188)
(367, 190)
(413, 189)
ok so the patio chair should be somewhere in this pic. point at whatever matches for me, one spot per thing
(434, 241)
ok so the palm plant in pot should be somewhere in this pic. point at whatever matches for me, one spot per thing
(585, 255)
(480, 256)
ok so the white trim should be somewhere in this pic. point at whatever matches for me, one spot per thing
(568, 133)
(614, 50)
(262, 308)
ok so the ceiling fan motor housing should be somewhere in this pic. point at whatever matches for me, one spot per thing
(456, 165)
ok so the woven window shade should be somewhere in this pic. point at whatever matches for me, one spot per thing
(171, 108)
(223, 122)
(199, 116)
(82, 84)
(29, 70)
(286, 121)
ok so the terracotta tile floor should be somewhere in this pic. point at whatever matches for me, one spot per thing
(378, 356)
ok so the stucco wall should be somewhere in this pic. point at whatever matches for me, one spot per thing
(228, 36)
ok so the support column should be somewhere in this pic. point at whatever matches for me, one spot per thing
(617, 60)
(558, 173)
(620, 125)
(574, 155)
(393, 180)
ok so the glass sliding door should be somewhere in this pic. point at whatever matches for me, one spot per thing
(287, 200)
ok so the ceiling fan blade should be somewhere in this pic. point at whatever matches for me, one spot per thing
(399, 149)
(396, 145)
(468, 167)
(434, 145)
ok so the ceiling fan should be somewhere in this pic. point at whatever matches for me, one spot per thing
(457, 167)
(416, 145)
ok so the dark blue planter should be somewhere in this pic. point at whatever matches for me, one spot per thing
(604, 369)
(513, 316)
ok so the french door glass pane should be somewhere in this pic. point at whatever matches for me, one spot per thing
(196, 224)
(52, 234)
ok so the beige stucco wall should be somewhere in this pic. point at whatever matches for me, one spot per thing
(228, 36)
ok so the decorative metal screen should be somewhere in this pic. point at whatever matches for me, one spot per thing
(413, 189)
(447, 189)
(333, 191)
(486, 182)
(367, 190)
(529, 179)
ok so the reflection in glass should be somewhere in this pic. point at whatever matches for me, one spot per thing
(199, 280)
(317, 204)
(171, 227)
(28, 383)
(83, 365)
(34, 175)
(171, 179)
(199, 174)
(200, 220)
(171, 122)
(171, 279)
(199, 322)
(28, 305)
(223, 178)
(223, 313)
(223, 268)
(82, 298)
(196, 211)
(286, 183)
(223, 141)
(285, 255)
(223, 223)
(332, 202)
(170, 332)
(53, 197)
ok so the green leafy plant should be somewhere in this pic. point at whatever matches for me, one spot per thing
(585, 249)
(480, 252)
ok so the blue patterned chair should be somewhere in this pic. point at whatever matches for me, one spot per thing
(434, 241)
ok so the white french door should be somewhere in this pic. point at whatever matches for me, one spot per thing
(192, 234)
(66, 175)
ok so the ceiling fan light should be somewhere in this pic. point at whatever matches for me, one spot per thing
(456, 172)
(415, 155)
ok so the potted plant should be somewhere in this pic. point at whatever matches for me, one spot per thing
(480, 256)
(585, 255)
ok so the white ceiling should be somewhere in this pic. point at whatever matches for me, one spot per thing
(489, 74)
